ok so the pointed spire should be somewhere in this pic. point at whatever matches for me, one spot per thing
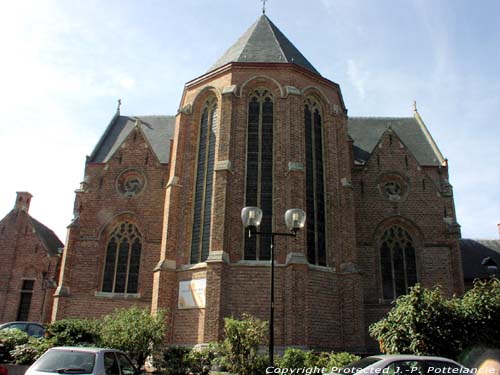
(415, 106)
(263, 6)
(263, 42)
(119, 106)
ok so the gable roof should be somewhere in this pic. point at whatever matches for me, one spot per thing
(158, 130)
(47, 236)
(263, 42)
(366, 132)
(474, 252)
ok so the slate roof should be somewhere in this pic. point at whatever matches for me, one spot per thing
(47, 236)
(366, 132)
(159, 130)
(263, 42)
(474, 252)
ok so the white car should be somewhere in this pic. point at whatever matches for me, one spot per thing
(81, 360)
(402, 364)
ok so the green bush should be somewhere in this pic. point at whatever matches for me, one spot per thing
(28, 353)
(298, 359)
(10, 338)
(241, 344)
(293, 359)
(200, 359)
(173, 360)
(480, 308)
(134, 331)
(341, 359)
(423, 322)
(74, 332)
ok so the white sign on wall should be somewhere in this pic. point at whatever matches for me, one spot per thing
(192, 294)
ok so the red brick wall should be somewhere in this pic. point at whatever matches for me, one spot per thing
(100, 208)
(421, 213)
(23, 257)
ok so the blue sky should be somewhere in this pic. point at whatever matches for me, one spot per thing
(65, 64)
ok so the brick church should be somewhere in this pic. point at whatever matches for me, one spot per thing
(157, 216)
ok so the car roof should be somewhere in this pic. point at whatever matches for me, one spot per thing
(409, 357)
(20, 322)
(85, 349)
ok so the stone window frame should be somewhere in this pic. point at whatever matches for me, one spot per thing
(25, 298)
(202, 212)
(316, 253)
(120, 180)
(415, 240)
(112, 229)
(260, 95)
(397, 178)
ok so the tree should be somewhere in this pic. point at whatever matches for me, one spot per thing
(421, 322)
(135, 331)
(424, 322)
(481, 311)
(241, 344)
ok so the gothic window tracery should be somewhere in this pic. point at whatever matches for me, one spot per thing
(398, 264)
(200, 239)
(259, 169)
(123, 257)
(315, 192)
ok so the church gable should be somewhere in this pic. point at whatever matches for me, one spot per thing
(157, 130)
(366, 132)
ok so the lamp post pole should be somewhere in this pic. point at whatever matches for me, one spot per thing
(271, 304)
(271, 308)
(295, 219)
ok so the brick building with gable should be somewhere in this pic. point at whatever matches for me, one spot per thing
(157, 217)
(30, 256)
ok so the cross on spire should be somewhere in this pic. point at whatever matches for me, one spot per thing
(264, 6)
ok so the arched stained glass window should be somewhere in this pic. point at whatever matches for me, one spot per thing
(200, 239)
(259, 169)
(315, 189)
(123, 258)
(398, 264)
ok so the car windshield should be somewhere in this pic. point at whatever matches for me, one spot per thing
(358, 365)
(66, 362)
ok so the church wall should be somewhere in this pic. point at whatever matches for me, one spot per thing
(312, 306)
(101, 206)
(421, 211)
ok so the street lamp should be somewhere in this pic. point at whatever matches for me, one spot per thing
(295, 219)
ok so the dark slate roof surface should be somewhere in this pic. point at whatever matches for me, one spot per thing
(48, 237)
(366, 132)
(159, 130)
(263, 42)
(473, 254)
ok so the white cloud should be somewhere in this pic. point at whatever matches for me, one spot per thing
(127, 83)
(358, 77)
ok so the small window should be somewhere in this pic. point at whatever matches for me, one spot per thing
(25, 300)
(111, 364)
(35, 330)
(125, 365)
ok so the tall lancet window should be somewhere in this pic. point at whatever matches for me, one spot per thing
(200, 240)
(398, 265)
(315, 186)
(123, 257)
(259, 179)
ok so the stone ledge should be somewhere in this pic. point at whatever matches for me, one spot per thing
(165, 264)
(117, 295)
